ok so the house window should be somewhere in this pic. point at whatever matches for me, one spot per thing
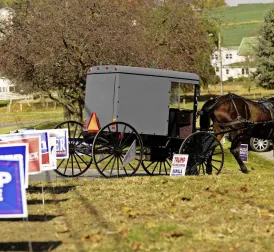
(230, 55)
(217, 69)
(247, 71)
(226, 56)
(12, 89)
(227, 71)
(216, 56)
(243, 71)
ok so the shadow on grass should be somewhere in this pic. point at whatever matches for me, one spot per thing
(52, 189)
(40, 202)
(32, 218)
(26, 246)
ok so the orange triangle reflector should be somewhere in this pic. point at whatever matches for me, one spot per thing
(93, 125)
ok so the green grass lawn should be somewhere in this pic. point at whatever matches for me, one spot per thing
(229, 212)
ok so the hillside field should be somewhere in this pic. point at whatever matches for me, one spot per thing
(241, 21)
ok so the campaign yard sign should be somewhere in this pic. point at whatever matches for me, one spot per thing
(48, 145)
(62, 142)
(45, 145)
(35, 157)
(13, 203)
(17, 151)
(179, 164)
(244, 152)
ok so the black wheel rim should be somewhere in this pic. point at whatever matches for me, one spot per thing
(111, 145)
(205, 154)
(79, 151)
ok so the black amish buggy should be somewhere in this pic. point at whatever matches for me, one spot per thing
(133, 118)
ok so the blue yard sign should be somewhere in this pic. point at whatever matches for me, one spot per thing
(17, 151)
(244, 152)
(13, 202)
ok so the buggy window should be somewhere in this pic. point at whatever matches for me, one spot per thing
(181, 95)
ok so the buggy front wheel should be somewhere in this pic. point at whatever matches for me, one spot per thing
(117, 150)
(205, 154)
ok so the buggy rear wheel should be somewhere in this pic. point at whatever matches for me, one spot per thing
(206, 154)
(117, 150)
(157, 160)
(79, 159)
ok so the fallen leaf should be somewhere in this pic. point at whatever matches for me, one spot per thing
(221, 235)
(126, 209)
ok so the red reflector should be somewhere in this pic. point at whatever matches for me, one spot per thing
(107, 68)
(116, 69)
(93, 125)
(98, 68)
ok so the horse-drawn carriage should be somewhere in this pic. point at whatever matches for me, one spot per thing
(133, 118)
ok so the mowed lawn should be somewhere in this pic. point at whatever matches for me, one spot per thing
(229, 212)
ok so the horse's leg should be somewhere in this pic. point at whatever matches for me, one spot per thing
(216, 129)
(235, 150)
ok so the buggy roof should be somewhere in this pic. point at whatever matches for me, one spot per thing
(176, 75)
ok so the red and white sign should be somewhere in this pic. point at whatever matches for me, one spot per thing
(179, 164)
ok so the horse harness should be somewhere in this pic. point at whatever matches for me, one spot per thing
(239, 119)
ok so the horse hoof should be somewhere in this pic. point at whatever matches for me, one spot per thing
(245, 171)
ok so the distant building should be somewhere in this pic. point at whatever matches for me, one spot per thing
(7, 89)
(236, 61)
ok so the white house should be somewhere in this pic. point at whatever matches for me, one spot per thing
(235, 61)
(7, 89)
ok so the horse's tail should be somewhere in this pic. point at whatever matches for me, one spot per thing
(205, 115)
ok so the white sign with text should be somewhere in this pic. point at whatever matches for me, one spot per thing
(179, 164)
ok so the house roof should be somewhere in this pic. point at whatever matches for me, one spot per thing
(248, 46)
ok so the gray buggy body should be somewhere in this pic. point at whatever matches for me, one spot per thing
(137, 96)
(133, 118)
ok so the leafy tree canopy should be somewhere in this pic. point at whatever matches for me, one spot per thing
(49, 45)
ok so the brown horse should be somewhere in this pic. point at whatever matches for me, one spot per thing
(243, 117)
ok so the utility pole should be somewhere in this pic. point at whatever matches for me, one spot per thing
(220, 61)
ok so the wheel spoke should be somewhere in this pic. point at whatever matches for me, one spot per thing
(102, 146)
(107, 164)
(165, 167)
(150, 164)
(104, 158)
(79, 167)
(160, 168)
(122, 136)
(112, 166)
(123, 145)
(60, 164)
(81, 158)
(219, 161)
(112, 138)
(155, 167)
(117, 165)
